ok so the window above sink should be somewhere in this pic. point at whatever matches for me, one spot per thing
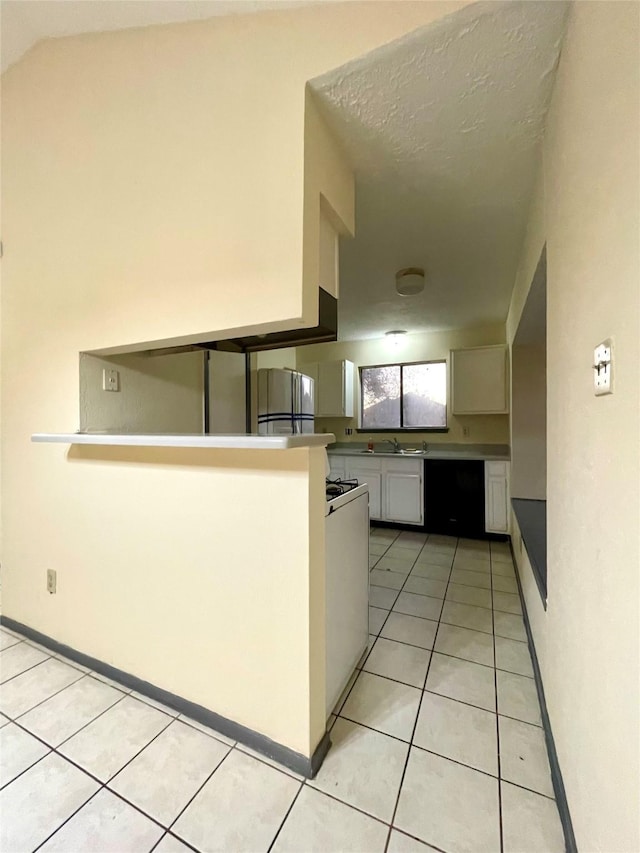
(407, 396)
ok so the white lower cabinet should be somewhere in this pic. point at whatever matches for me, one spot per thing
(395, 486)
(496, 497)
(373, 479)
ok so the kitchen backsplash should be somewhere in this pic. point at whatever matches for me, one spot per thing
(481, 429)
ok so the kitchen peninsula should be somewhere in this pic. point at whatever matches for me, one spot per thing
(214, 595)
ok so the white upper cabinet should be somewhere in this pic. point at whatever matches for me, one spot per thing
(479, 381)
(333, 388)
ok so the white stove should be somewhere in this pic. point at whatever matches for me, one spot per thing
(340, 492)
(347, 582)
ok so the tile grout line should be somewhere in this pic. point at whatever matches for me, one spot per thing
(284, 819)
(70, 817)
(55, 749)
(102, 785)
(444, 695)
(105, 785)
(336, 799)
(173, 822)
(478, 770)
(180, 840)
(378, 635)
(57, 693)
(415, 723)
(337, 710)
(28, 669)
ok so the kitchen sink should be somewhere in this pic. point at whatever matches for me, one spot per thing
(415, 452)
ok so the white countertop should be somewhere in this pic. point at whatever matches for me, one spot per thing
(226, 442)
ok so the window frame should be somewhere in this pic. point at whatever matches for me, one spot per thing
(403, 429)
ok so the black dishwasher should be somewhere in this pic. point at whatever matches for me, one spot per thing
(454, 497)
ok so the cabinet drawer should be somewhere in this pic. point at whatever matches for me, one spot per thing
(365, 463)
(403, 465)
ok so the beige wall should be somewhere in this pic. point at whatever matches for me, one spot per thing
(529, 422)
(588, 210)
(490, 429)
(177, 574)
(329, 202)
(157, 393)
(153, 191)
(529, 256)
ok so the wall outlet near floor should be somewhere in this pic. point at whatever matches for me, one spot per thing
(52, 580)
(110, 380)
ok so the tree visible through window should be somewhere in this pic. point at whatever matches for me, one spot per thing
(404, 396)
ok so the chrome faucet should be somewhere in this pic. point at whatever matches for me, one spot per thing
(394, 443)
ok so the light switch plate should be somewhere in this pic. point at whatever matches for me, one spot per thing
(603, 368)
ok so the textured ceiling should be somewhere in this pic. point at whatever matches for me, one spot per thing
(443, 129)
(24, 22)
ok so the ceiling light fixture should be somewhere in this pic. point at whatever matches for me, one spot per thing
(410, 281)
(395, 337)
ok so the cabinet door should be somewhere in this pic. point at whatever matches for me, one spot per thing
(334, 389)
(338, 466)
(373, 478)
(479, 381)
(496, 497)
(330, 388)
(403, 497)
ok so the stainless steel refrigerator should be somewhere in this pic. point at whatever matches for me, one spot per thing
(285, 402)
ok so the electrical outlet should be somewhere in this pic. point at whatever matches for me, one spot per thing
(52, 581)
(110, 380)
(466, 432)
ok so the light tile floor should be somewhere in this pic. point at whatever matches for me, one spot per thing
(437, 740)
